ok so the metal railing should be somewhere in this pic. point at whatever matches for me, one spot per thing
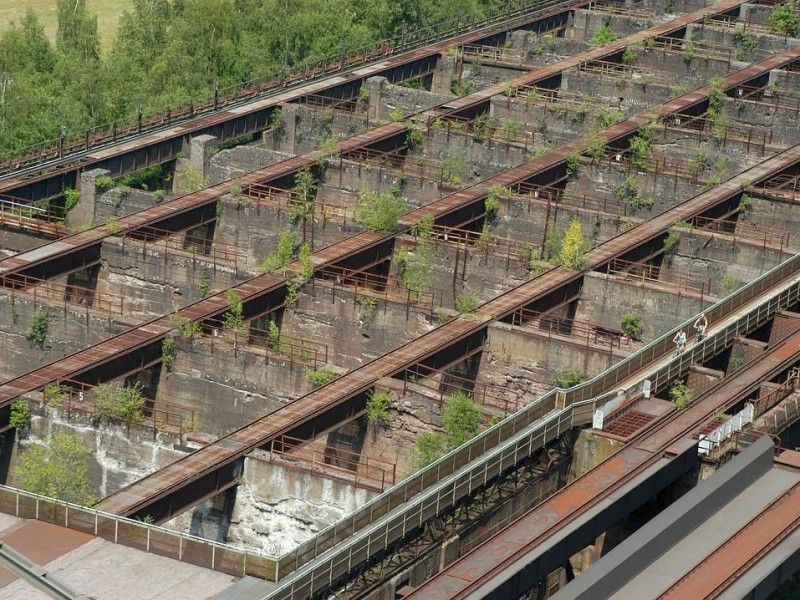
(58, 293)
(355, 468)
(137, 534)
(643, 274)
(74, 397)
(498, 448)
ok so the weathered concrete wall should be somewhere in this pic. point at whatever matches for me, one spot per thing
(153, 284)
(12, 242)
(227, 389)
(712, 258)
(118, 202)
(523, 360)
(235, 162)
(779, 214)
(605, 300)
(278, 507)
(67, 333)
(335, 319)
(586, 22)
(120, 454)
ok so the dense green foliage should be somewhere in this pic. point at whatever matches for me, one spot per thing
(783, 20)
(461, 417)
(169, 51)
(114, 403)
(58, 470)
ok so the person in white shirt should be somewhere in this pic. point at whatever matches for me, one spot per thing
(700, 326)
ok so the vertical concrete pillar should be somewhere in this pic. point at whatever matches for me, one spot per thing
(376, 86)
(197, 162)
(285, 138)
(520, 39)
(443, 74)
(775, 76)
(84, 213)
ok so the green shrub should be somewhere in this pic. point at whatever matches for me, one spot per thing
(40, 324)
(378, 406)
(168, 353)
(380, 212)
(186, 329)
(461, 417)
(680, 395)
(71, 199)
(284, 253)
(641, 148)
(671, 242)
(321, 376)
(730, 283)
(573, 160)
(56, 394)
(492, 202)
(566, 379)
(234, 317)
(306, 262)
(20, 415)
(633, 325)
(292, 294)
(113, 403)
(783, 21)
(428, 448)
(423, 227)
(574, 247)
(467, 303)
(57, 470)
(603, 35)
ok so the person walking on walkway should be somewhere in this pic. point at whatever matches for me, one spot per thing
(680, 342)
(700, 326)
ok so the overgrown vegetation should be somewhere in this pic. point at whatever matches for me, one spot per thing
(321, 376)
(633, 325)
(39, 326)
(115, 403)
(641, 148)
(467, 303)
(283, 254)
(716, 104)
(378, 406)
(58, 469)
(20, 415)
(168, 52)
(603, 35)
(234, 317)
(186, 328)
(574, 247)
(168, 350)
(461, 417)
(380, 211)
(783, 21)
(567, 378)
(680, 395)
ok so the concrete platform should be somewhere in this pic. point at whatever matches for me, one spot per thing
(100, 569)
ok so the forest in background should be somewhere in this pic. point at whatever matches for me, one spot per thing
(167, 52)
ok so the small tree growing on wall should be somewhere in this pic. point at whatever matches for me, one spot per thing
(574, 247)
(57, 470)
(234, 318)
(37, 330)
